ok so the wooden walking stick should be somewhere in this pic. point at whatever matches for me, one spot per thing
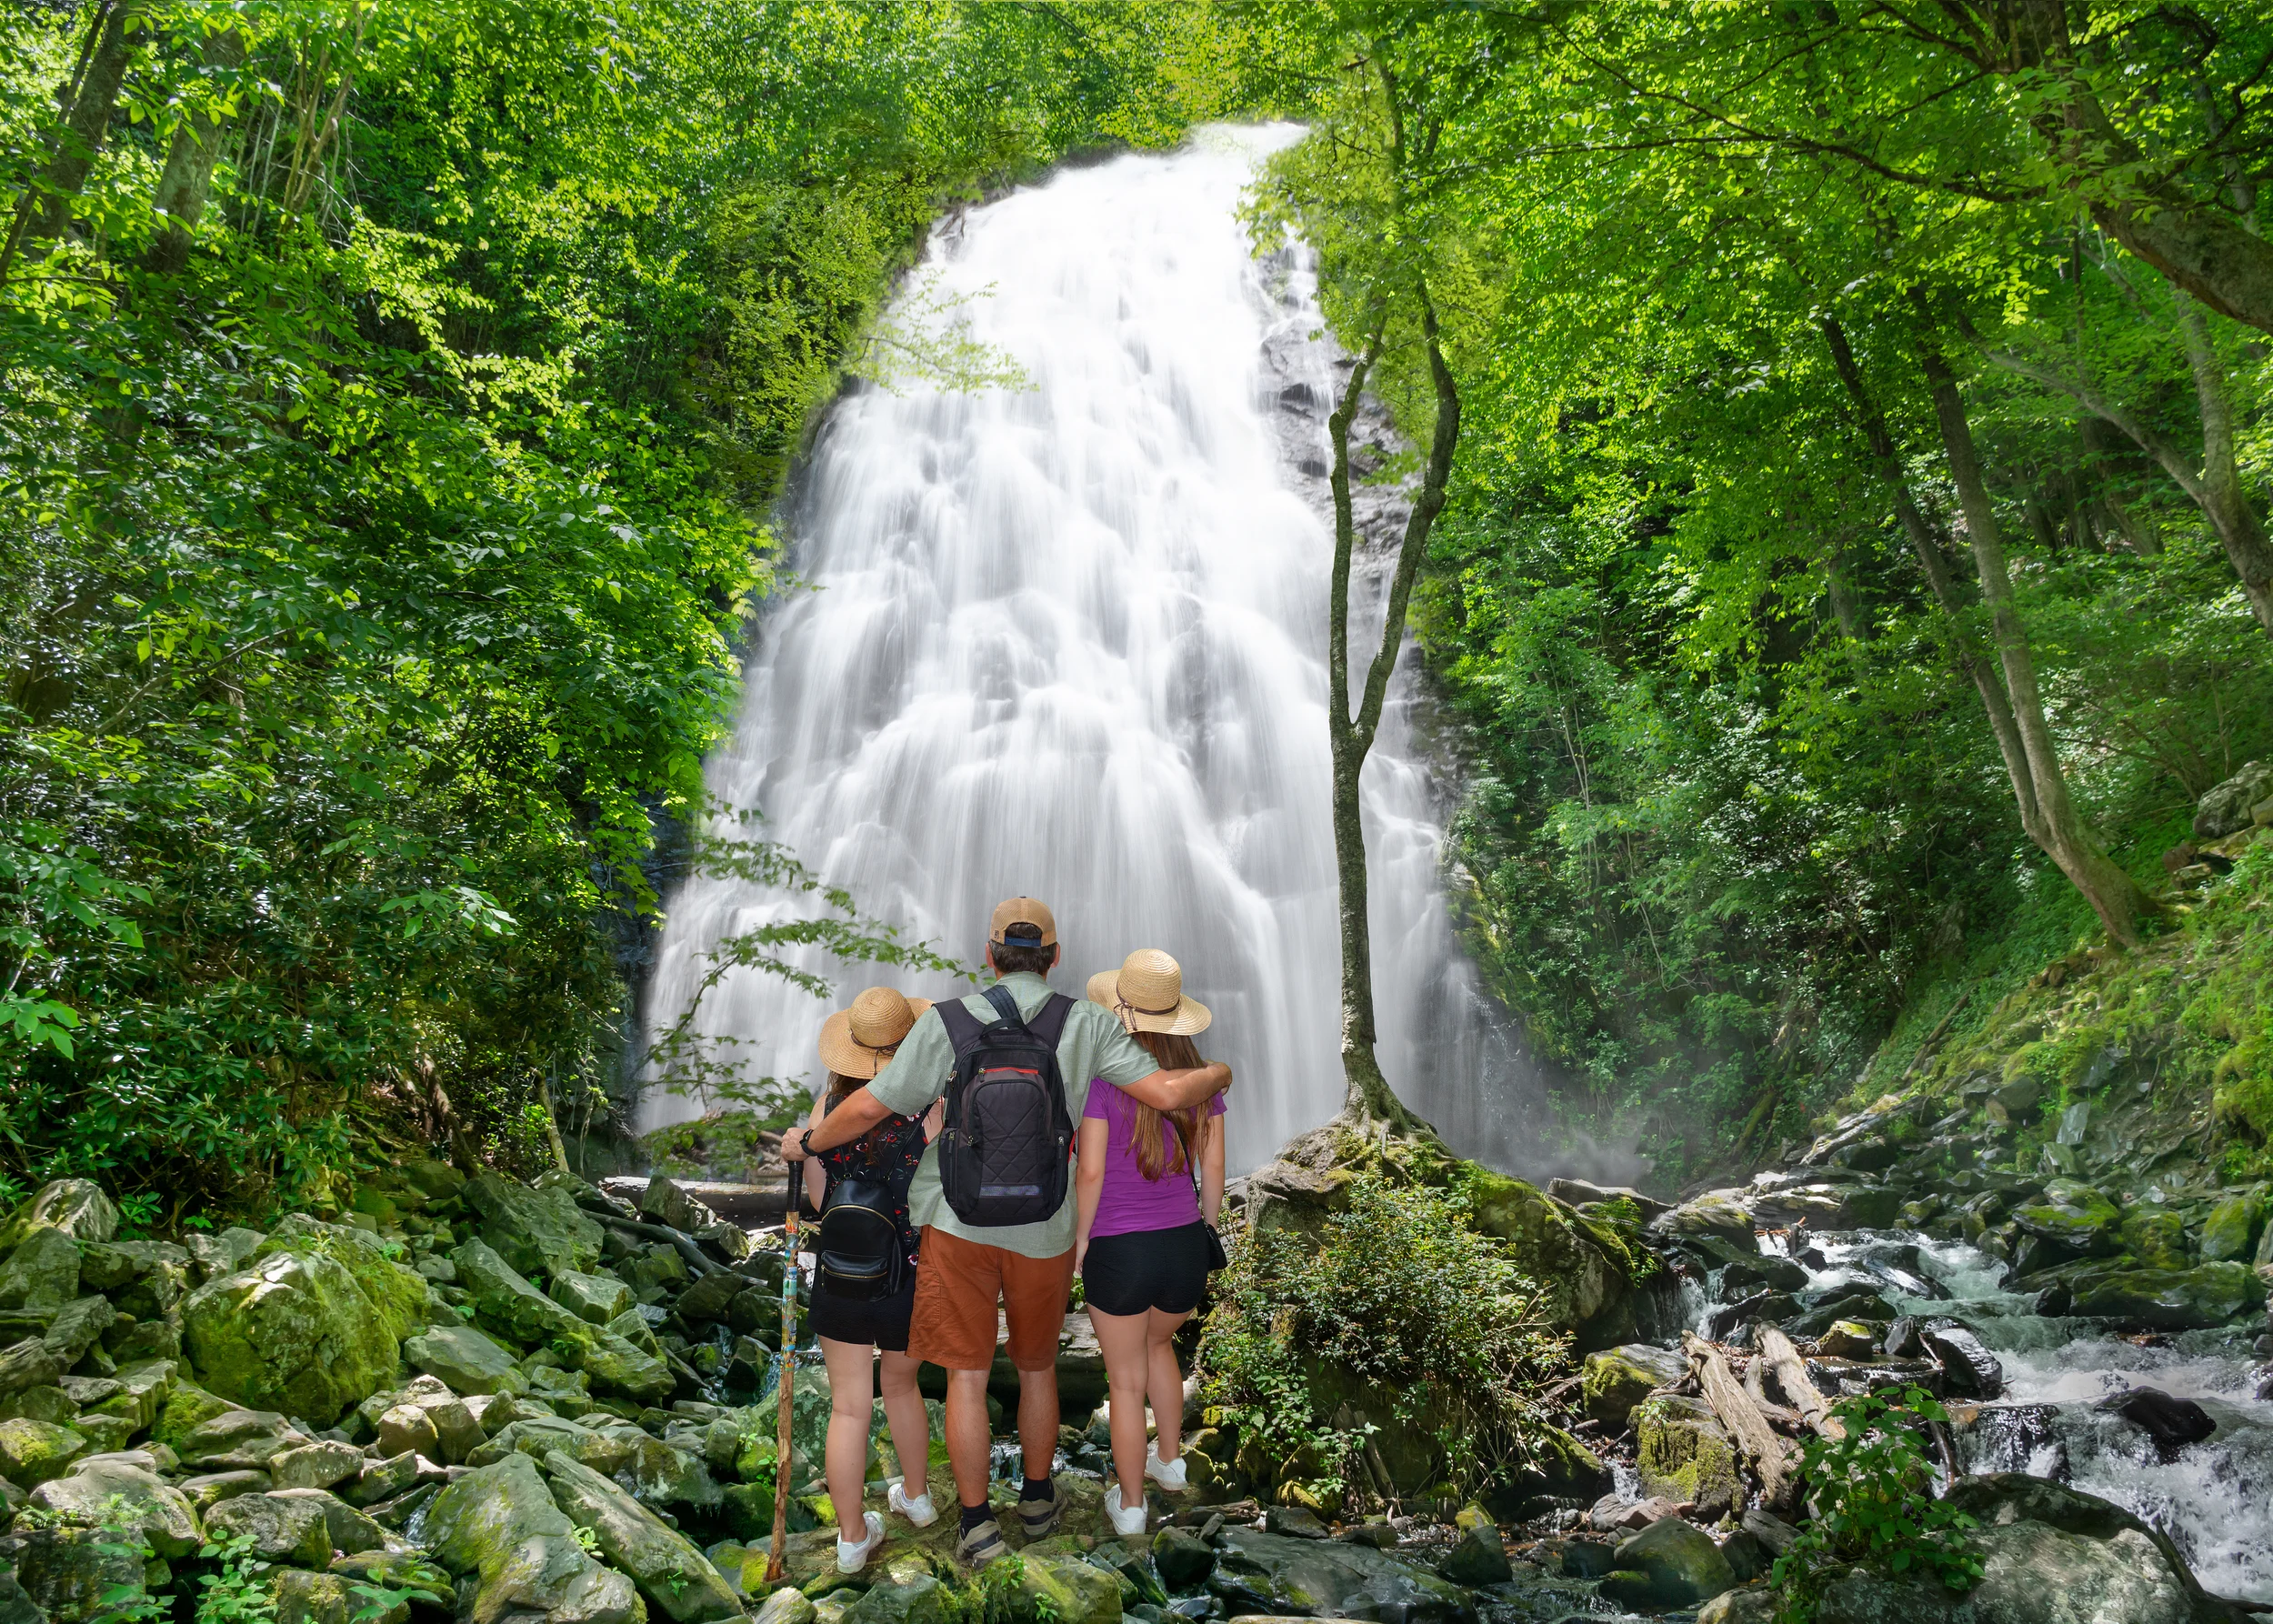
(785, 1384)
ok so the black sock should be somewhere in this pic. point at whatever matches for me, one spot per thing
(1037, 1488)
(975, 1515)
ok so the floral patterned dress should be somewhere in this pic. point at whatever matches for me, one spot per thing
(890, 1153)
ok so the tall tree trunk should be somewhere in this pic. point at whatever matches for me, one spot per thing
(2056, 828)
(1925, 544)
(2221, 495)
(81, 139)
(187, 179)
(1368, 1094)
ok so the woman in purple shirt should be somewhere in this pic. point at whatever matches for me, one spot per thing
(1146, 1193)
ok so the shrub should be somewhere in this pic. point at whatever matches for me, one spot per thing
(1399, 1293)
(1873, 1504)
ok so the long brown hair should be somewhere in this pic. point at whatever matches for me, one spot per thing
(1149, 1132)
(840, 1088)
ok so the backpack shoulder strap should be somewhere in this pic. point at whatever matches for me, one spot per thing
(1050, 1023)
(1004, 1005)
(963, 1028)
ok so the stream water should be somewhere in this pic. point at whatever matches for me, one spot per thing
(1070, 640)
(2214, 1498)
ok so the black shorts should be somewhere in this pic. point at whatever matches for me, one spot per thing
(1151, 1269)
(880, 1321)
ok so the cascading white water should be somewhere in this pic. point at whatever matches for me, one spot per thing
(1070, 640)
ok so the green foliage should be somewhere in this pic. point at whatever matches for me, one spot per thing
(1873, 1503)
(238, 1590)
(371, 566)
(1399, 1295)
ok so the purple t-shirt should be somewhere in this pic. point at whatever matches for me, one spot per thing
(1130, 1202)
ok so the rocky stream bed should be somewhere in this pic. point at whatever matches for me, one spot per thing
(477, 1399)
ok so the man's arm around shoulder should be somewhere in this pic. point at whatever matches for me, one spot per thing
(1175, 1091)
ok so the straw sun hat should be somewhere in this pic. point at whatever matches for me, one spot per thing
(858, 1042)
(1148, 993)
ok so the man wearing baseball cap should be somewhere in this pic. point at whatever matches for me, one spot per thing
(1027, 1268)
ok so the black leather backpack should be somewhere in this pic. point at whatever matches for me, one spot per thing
(1007, 1142)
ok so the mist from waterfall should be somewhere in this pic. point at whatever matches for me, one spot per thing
(1070, 641)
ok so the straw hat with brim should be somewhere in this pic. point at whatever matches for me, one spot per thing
(858, 1042)
(1148, 993)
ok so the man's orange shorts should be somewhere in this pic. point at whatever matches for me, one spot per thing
(957, 1284)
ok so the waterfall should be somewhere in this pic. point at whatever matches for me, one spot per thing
(1070, 640)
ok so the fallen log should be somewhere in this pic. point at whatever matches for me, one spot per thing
(1800, 1391)
(1770, 1455)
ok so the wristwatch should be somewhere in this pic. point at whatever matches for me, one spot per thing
(804, 1141)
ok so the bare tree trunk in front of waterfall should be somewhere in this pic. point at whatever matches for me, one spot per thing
(1369, 1097)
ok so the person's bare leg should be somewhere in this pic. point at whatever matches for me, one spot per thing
(1122, 1340)
(969, 1440)
(911, 1428)
(1037, 1419)
(1163, 1383)
(849, 1410)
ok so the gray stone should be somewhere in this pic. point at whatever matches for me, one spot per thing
(665, 1201)
(383, 1481)
(505, 1301)
(1182, 1557)
(1685, 1454)
(1480, 1558)
(239, 1437)
(352, 1532)
(78, 1325)
(670, 1571)
(74, 1576)
(2225, 809)
(1259, 1572)
(536, 1231)
(292, 1330)
(1739, 1607)
(211, 1489)
(161, 1513)
(788, 1605)
(596, 1299)
(29, 1364)
(2229, 1229)
(1968, 1370)
(498, 1527)
(40, 1274)
(213, 1256)
(287, 1528)
(467, 1360)
(30, 1451)
(319, 1465)
(77, 1207)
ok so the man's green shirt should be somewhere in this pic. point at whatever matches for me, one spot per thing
(1093, 1045)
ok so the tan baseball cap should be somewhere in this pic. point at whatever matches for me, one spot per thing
(1022, 910)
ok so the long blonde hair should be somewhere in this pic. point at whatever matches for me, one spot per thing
(1147, 1132)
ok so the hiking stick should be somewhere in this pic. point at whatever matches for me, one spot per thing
(785, 1385)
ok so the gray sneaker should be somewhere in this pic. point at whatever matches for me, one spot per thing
(981, 1545)
(1040, 1517)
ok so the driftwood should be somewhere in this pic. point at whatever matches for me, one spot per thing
(1779, 1355)
(1770, 1455)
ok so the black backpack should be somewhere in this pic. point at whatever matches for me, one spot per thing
(860, 1252)
(1007, 1139)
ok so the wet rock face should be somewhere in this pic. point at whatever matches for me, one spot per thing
(1265, 1573)
(2208, 1295)
(2172, 1423)
(1968, 1370)
(1685, 1454)
(1668, 1564)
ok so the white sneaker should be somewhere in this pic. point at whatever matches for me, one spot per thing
(851, 1558)
(1124, 1522)
(918, 1510)
(1168, 1474)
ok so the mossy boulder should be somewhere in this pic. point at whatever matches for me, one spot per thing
(505, 1301)
(291, 1331)
(1684, 1454)
(2074, 1215)
(77, 1206)
(2196, 1299)
(2229, 1231)
(597, 1298)
(30, 1451)
(614, 1364)
(536, 1231)
(1668, 1564)
(1616, 1379)
(1582, 1279)
(397, 1294)
(282, 1528)
(76, 1575)
(498, 1527)
(673, 1575)
(2155, 1236)
(185, 1408)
